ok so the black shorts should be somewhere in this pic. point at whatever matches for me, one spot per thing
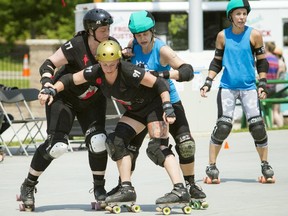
(149, 113)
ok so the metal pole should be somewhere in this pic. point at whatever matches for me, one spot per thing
(195, 22)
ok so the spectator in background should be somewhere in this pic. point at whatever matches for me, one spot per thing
(282, 64)
(273, 73)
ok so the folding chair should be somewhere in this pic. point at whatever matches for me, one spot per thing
(29, 125)
(3, 143)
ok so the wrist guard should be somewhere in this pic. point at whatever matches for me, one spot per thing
(45, 80)
(49, 91)
(168, 109)
(263, 84)
(165, 74)
(208, 83)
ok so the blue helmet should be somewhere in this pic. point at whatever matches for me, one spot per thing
(141, 21)
(235, 4)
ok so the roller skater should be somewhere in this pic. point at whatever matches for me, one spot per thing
(99, 194)
(268, 173)
(179, 196)
(238, 82)
(125, 196)
(197, 199)
(213, 174)
(27, 195)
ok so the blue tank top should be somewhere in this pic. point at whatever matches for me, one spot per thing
(238, 61)
(151, 61)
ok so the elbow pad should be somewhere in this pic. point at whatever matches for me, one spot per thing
(262, 65)
(186, 73)
(47, 67)
(67, 80)
(216, 65)
(161, 85)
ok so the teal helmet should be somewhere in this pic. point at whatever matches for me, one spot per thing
(141, 21)
(235, 4)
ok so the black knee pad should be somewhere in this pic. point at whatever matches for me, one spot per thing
(185, 147)
(154, 152)
(258, 131)
(118, 141)
(222, 130)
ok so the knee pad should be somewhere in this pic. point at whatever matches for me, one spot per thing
(154, 152)
(185, 147)
(222, 130)
(95, 141)
(258, 131)
(55, 146)
(116, 147)
(134, 152)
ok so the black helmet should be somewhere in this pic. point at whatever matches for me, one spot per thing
(96, 18)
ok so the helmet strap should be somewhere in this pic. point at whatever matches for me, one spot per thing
(94, 36)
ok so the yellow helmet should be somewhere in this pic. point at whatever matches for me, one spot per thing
(108, 51)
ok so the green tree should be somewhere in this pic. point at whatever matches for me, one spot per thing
(21, 20)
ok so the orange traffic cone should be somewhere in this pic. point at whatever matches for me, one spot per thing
(25, 70)
(226, 146)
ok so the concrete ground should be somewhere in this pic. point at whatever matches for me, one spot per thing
(64, 187)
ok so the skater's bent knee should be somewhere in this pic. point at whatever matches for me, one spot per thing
(54, 146)
(185, 147)
(156, 154)
(95, 141)
(116, 147)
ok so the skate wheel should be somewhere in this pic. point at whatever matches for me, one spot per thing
(263, 180)
(166, 210)
(158, 209)
(22, 207)
(18, 198)
(216, 181)
(135, 208)
(109, 208)
(205, 205)
(196, 205)
(96, 206)
(116, 209)
(187, 210)
(207, 180)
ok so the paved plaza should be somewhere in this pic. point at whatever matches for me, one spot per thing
(64, 187)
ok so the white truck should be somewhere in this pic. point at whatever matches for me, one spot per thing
(269, 17)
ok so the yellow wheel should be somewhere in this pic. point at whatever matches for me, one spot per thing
(187, 209)
(116, 209)
(166, 210)
(136, 208)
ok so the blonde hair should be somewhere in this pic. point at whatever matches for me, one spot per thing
(270, 46)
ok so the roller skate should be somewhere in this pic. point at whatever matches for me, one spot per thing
(212, 175)
(99, 194)
(197, 200)
(268, 173)
(115, 189)
(27, 195)
(178, 197)
(124, 197)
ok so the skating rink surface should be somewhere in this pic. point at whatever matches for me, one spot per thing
(63, 188)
